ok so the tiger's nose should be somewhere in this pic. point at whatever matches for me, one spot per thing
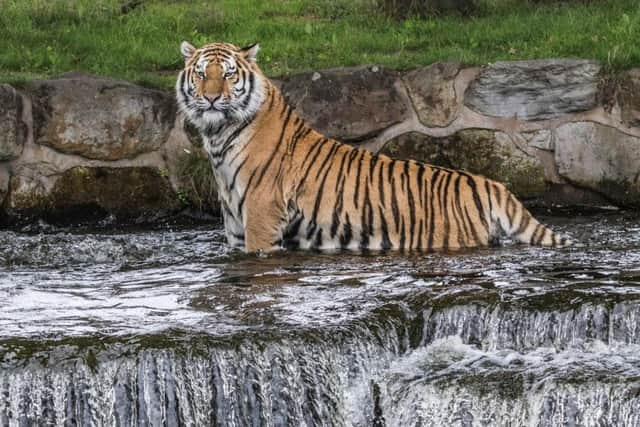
(211, 98)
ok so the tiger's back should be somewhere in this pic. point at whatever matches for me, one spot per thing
(284, 185)
(352, 199)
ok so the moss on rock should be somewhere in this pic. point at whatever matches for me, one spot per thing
(81, 193)
(477, 151)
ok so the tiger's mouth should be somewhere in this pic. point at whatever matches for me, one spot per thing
(206, 105)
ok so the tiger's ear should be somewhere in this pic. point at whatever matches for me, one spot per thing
(251, 52)
(187, 50)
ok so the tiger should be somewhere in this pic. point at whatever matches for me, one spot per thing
(283, 185)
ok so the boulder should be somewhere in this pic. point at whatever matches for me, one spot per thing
(100, 118)
(629, 97)
(542, 139)
(90, 193)
(491, 154)
(13, 131)
(4, 183)
(600, 158)
(432, 93)
(535, 90)
(349, 104)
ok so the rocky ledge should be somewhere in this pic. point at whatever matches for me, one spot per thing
(555, 131)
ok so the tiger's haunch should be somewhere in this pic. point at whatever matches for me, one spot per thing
(284, 185)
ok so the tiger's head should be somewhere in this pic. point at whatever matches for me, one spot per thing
(220, 83)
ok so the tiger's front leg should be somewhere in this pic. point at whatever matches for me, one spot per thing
(264, 223)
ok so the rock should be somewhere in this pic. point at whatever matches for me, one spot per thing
(13, 131)
(542, 139)
(629, 97)
(482, 152)
(90, 193)
(4, 183)
(535, 90)
(432, 92)
(347, 104)
(600, 158)
(100, 118)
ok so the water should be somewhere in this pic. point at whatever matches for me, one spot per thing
(170, 327)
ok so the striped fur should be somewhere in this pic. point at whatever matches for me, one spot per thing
(284, 185)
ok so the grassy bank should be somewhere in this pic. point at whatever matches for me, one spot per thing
(44, 38)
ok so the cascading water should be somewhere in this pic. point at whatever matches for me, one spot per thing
(168, 327)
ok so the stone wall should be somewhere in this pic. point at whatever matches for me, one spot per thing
(556, 131)
(88, 148)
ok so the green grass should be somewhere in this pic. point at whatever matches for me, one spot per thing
(43, 38)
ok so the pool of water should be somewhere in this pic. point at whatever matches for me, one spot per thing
(171, 327)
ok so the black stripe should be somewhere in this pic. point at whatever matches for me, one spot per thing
(235, 174)
(420, 182)
(276, 149)
(511, 207)
(432, 197)
(402, 234)
(347, 235)
(524, 223)
(352, 156)
(291, 232)
(533, 240)
(381, 184)
(335, 147)
(454, 210)
(320, 190)
(373, 160)
(247, 99)
(228, 144)
(356, 193)
(386, 243)
(444, 196)
(412, 207)
(474, 232)
(316, 150)
(244, 195)
(337, 211)
(317, 242)
(238, 236)
(366, 220)
(394, 205)
(471, 182)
